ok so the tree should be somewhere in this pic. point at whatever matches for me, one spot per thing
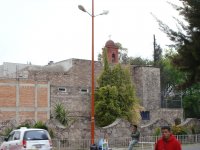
(115, 97)
(140, 61)
(186, 40)
(157, 53)
(106, 105)
(191, 102)
(170, 76)
(99, 57)
(123, 54)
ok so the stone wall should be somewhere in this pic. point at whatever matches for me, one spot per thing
(147, 83)
(168, 114)
(189, 122)
(70, 84)
(79, 128)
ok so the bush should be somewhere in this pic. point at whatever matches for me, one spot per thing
(61, 114)
(24, 125)
(6, 131)
(179, 130)
(177, 121)
(157, 132)
(40, 125)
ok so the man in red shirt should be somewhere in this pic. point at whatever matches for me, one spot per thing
(167, 141)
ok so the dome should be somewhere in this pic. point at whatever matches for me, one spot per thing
(110, 43)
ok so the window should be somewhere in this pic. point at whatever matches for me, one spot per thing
(145, 115)
(113, 58)
(62, 89)
(84, 90)
(36, 135)
(16, 135)
(10, 137)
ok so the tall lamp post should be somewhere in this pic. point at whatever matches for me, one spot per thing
(92, 84)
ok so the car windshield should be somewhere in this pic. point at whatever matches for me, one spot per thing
(36, 135)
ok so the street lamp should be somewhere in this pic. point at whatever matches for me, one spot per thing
(92, 86)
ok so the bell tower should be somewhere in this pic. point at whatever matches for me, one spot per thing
(112, 52)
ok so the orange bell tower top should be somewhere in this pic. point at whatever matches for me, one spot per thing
(112, 52)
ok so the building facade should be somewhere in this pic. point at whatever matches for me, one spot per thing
(34, 93)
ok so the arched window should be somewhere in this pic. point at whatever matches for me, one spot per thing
(113, 58)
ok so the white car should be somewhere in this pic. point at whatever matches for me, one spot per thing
(27, 139)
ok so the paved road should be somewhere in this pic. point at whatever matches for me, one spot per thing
(184, 147)
(191, 147)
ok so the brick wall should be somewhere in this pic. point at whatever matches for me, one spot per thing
(24, 99)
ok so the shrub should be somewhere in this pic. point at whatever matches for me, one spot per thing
(40, 125)
(24, 125)
(6, 131)
(177, 121)
(179, 130)
(157, 132)
(61, 114)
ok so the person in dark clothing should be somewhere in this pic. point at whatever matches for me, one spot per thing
(135, 137)
(168, 141)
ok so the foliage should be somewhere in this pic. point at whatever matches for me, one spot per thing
(170, 76)
(157, 53)
(139, 61)
(99, 57)
(191, 102)
(115, 96)
(157, 132)
(6, 131)
(123, 56)
(61, 113)
(177, 121)
(179, 130)
(24, 125)
(106, 105)
(40, 125)
(186, 41)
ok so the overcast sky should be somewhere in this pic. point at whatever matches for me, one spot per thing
(39, 31)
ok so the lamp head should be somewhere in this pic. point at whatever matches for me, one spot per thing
(105, 12)
(82, 8)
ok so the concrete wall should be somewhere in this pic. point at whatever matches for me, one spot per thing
(24, 99)
(11, 69)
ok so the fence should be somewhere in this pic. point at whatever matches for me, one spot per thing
(146, 142)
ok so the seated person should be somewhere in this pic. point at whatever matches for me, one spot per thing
(103, 143)
(135, 137)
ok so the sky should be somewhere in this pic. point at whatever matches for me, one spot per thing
(39, 31)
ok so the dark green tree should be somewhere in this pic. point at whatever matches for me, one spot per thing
(104, 79)
(157, 55)
(115, 97)
(106, 105)
(170, 78)
(191, 102)
(140, 61)
(186, 40)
